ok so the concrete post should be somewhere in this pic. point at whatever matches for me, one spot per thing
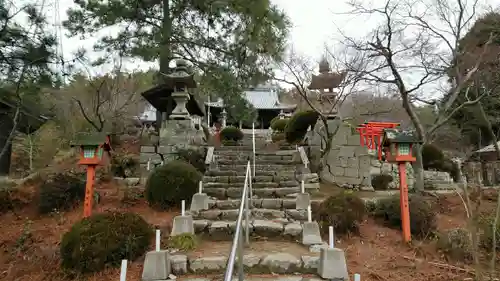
(303, 201)
(199, 202)
(182, 224)
(332, 264)
(310, 233)
(156, 266)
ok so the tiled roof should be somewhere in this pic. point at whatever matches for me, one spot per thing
(260, 99)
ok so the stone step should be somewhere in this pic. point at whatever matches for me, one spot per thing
(248, 147)
(217, 173)
(219, 230)
(258, 167)
(257, 152)
(258, 157)
(257, 179)
(255, 185)
(274, 203)
(283, 162)
(235, 193)
(285, 216)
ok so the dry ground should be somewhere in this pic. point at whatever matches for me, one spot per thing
(29, 245)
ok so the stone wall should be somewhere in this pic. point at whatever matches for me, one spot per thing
(487, 173)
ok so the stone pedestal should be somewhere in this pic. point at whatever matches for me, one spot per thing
(332, 264)
(156, 266)
(310, 233)
(180, 112)
(303, 201)
(199, 202)
(182, 224)
(178, 134)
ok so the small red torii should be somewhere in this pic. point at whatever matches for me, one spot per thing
(370, 134)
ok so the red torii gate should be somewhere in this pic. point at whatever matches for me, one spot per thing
(370, 134)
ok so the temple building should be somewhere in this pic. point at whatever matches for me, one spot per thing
(264, 98)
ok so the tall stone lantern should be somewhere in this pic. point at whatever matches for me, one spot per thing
(182, 81)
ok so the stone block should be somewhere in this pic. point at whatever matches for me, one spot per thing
(267, 228)
(249, 261)
(281, 263)
(199, 202)
(311, 234)
(354, 140)
(293, 229)
(341, 162)
(148, 149)
(347, 151)
(352, 162)
(156, 266)
(272, 203)
(347, 180)
(208, 264)
(182, 224)
(360, 151)
(364, 163)
(303, 201)
(178, 263)
(386, 168)
(337, 171)
(351, 172)
(332, 264)
(310, 263)
(311, 186)
(220, 230)
(145, 157)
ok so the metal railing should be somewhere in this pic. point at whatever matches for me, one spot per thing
(253, 148)
(237, 246)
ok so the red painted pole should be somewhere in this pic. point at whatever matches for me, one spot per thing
(403, 198)
(89, 191)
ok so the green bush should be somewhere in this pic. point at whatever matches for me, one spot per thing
(279, 125)
(456, 244)
(171, 183)
(192, 156)
(432, 157)
(297, 125)
(277, 137)
(104, 240)
(231, 133)
(486, 226)
(124, 165)
(422, 216)
(61, 192)
(381, 182)
(183, 242)
(344, 211)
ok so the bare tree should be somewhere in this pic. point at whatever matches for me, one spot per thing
(296, 72)
(412, 50)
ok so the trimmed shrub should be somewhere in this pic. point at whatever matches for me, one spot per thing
(277, 137)
(381, 182)
(432, 157)
(124, 165)
(298, 124)
(344, 211)
(104, 240)
(279, 125)
(422, 216)
(192, 156)
(171, 183)
(61, 192)
(456, 244)
(231, 133)
(486, 227)
(183, 242)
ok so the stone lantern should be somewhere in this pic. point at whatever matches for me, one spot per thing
(223, 115)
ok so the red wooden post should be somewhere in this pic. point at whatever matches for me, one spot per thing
(89, 191)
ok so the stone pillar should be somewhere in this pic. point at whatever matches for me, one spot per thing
(224, 118)
(180, 111)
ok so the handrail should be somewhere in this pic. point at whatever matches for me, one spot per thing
(237, 245)
(253, 148)
(303, 156)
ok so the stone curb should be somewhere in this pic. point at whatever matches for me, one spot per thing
(280, 263)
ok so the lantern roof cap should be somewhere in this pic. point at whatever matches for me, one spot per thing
(397, 136)
(91, 139)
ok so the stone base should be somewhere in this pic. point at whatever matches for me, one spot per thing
(303, 201)
(182, 224)
(156, 266)
(199, 202)
(310, 233)
(332, 264)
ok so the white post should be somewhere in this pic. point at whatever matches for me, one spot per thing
(158, 243)
(330, 236)
(123, 272)
(208, 112)
(357, 277)
(183, 208)
(302, 187)
(309, 215)
(149, 164)
(253, 147)
(200, 187)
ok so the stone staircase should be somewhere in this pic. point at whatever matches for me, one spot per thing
(275, 185)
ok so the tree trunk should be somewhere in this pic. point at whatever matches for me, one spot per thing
(165, 54)
(418, 169)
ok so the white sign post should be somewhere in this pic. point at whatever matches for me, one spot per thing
(200, 187)
(158, 243)
(330, 236)
(123, 272)
(302, 187)
(309, 215)
(183, 208)
(357, 277)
